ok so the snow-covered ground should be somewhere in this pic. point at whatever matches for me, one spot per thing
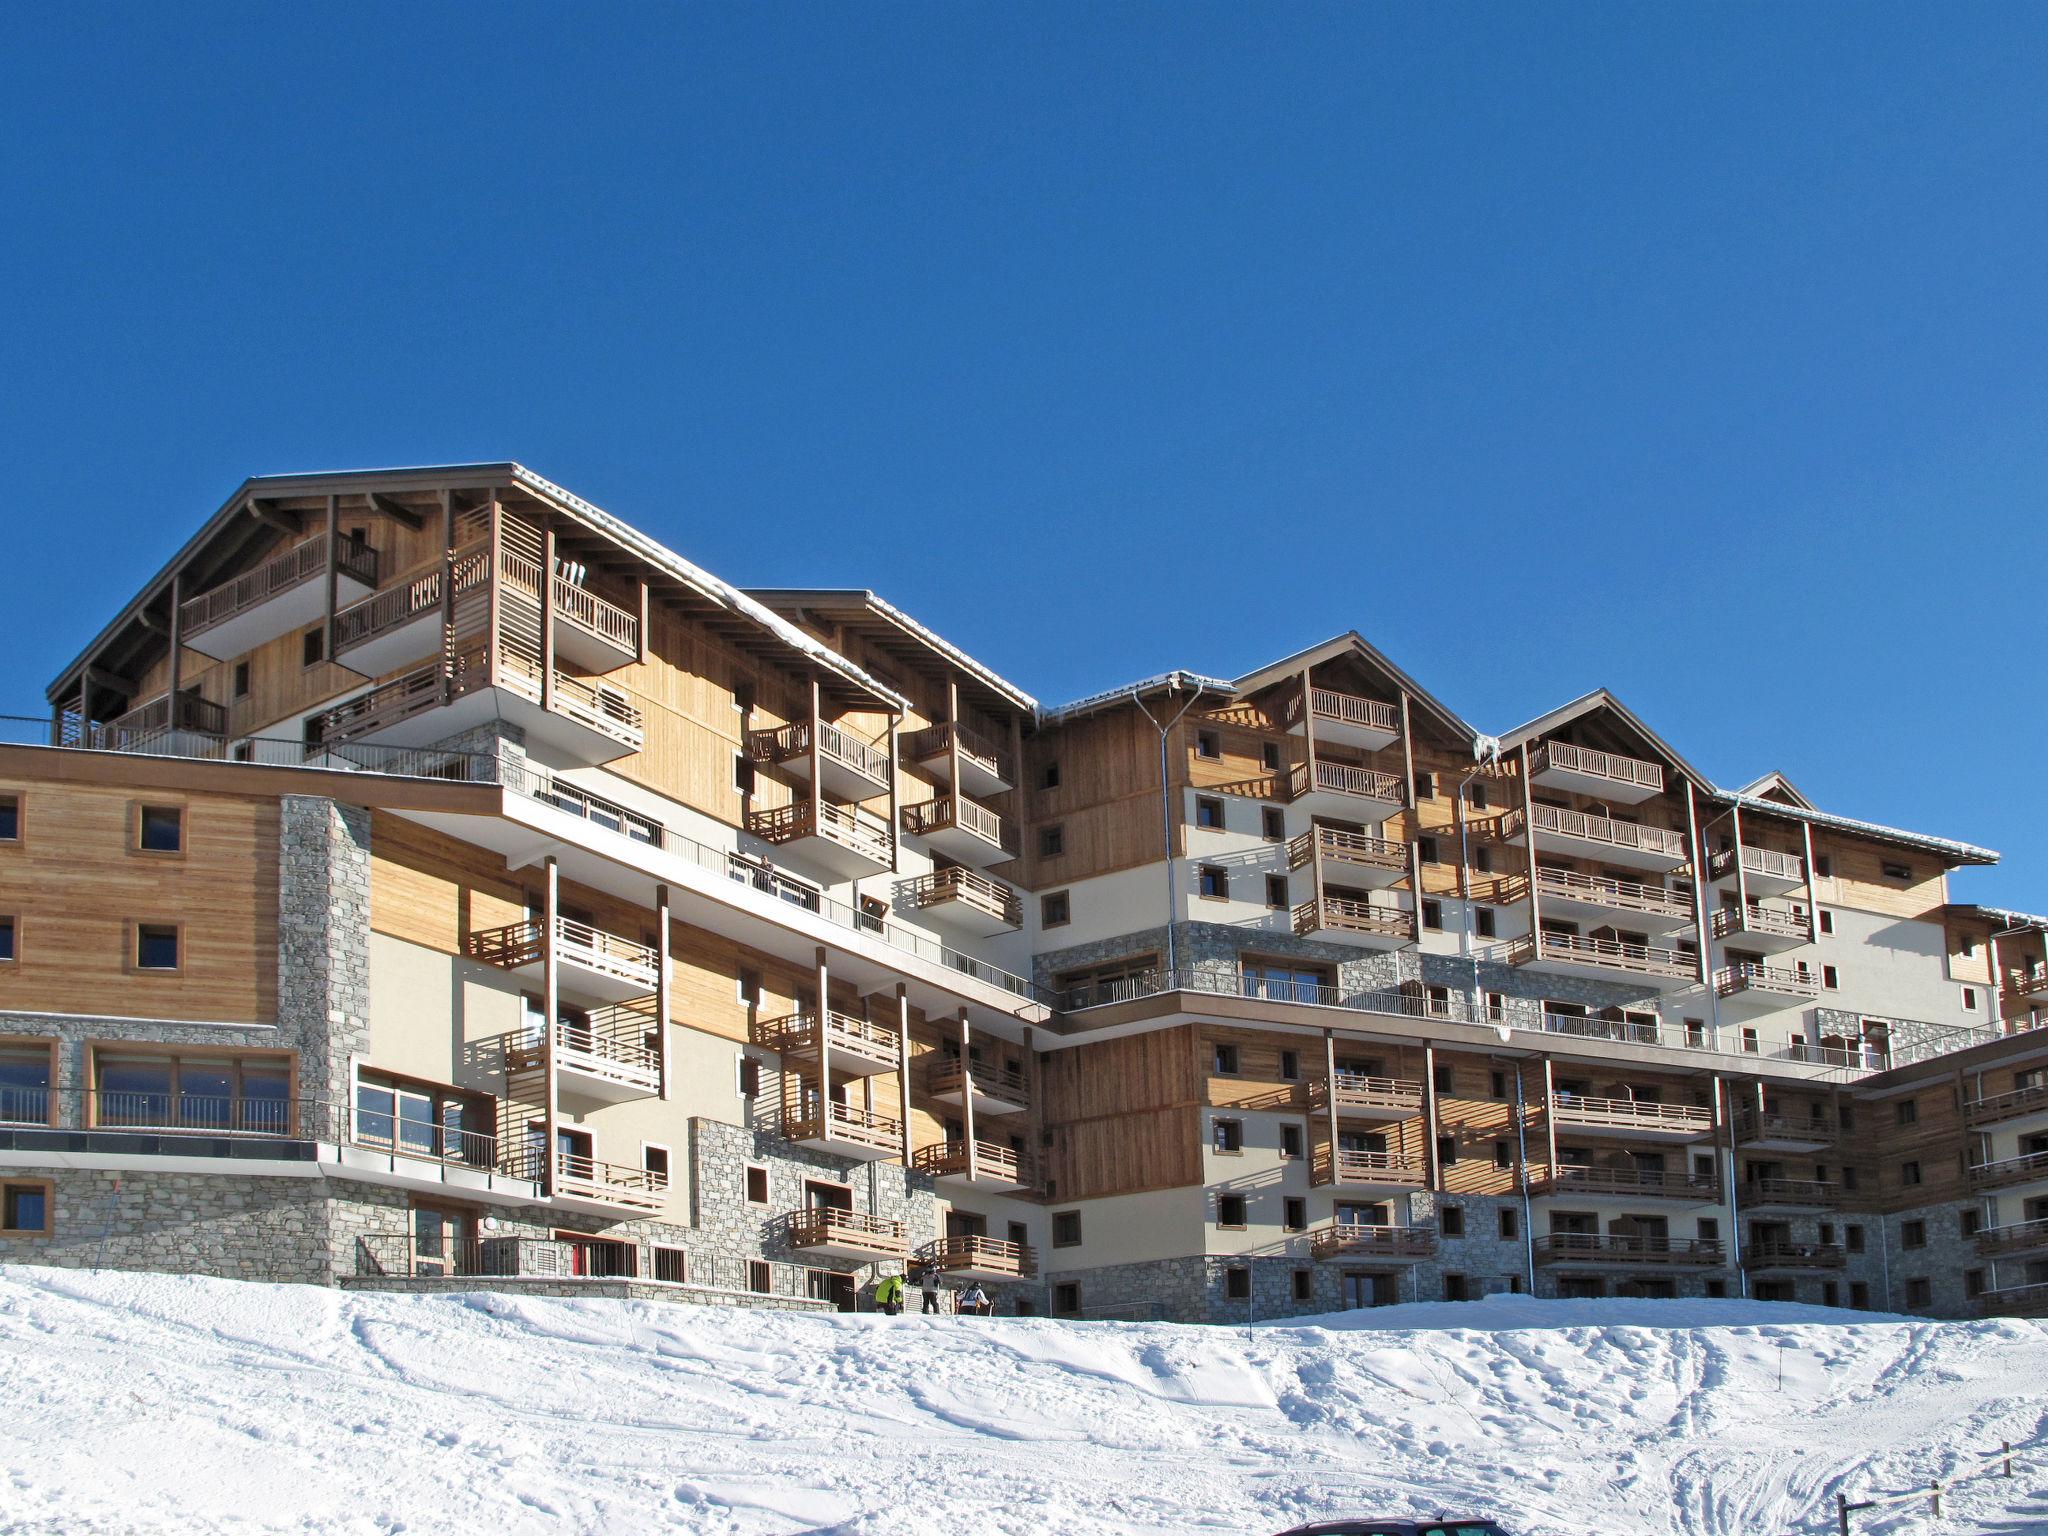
(149, 1403)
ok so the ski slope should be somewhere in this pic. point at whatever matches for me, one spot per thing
(133, 1403)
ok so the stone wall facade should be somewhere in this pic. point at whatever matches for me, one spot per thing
(323, 940)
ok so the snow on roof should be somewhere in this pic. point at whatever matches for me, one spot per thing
(869, 598)
(2008, 917)
(1947, 848)
(1171, 682)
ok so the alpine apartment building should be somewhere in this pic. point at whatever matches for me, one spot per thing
(430, 881)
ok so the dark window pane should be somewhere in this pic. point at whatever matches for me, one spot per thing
(156, 948)
(162, 828)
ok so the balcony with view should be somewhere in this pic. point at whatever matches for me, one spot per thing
(1610, 776)
(1592, 836)
(1344, 719)
(1604, 958)
(984, 767)
(286, 592)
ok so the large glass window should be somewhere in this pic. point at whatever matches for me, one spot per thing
(25, 1086)
(211, 1093)
(1285, 983)
(422, 1120)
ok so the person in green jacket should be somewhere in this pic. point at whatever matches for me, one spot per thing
(889, 1294)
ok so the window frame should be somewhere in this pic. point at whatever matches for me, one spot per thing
(20, 837)
(1226, 1128)
(747, 1172)
(1207, 875)
(656, 1252)
(132, 960)
(1244, 1213)
(1062, 1235)
(12, 958)
(1050, 902)
(47, 1189)
(1206, 807)
(138, 813)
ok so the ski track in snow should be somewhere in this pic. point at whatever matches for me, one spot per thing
(141, 1403)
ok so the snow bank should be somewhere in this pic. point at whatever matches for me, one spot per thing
(152, 1403)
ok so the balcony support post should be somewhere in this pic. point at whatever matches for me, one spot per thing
(333, 568)
(867, 1093)
(1330, 1084)
(967, 1097)
(1741, 876)
(1549, 1114)
(1522, 1172)
(816, 790)
(1308, 731)
(641, 655)
(1529, 846)
(1019, 801)
(1699, 912)
(823, 1021)
(661, 989)
(903, 1056)
(551, 979)
(1034, 1081)
(177, 643)
(547, 616)
(494, 554)
(1813, 912)
(953, 742)
(1431, 1163)
(1724, 1111)
(895, 809)
(447, 585)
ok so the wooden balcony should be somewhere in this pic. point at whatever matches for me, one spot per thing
(1634, 1119)
(2027, 1168)
(1768, 930)
(608, 1057)
(1351, 1240)
(857, 1047)
(1360, 1097)
(852, 769)
(1378, 1172)
(2028, 981)
(833, 1233)
(984, 768)
(1583, 835)
(1752, 988)
(843, 1130)
(997, 1090)
(1764, 1257)
(959, 828)
(2016, 1301)
(1591, 1181)
(1600, 1250)
(979, 1258)
(1345, 719)
(1807, 1131)
(174, 726)
(1599, 899)
(2019, 1237)
(403, 622)
(1604, 775)
(1349, 920)
(591, 632)
(1351, 858)
(590, 963)
(1774, 1194)
(1765, 872)
(964, 899)
(286, 592)
(608, 1187)
(2006, 1106)
(997, 1167)
(1573, 954)
(587, 722)
(843, 840)
(1344, 791)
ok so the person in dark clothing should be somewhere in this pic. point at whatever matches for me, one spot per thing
(928, 1288)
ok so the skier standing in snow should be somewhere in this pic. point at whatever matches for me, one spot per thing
(928, 1287)
(974, 1301)
(889, 1294)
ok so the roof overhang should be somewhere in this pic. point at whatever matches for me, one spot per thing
(896, 632)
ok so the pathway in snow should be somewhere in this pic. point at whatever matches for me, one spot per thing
(150, 1403)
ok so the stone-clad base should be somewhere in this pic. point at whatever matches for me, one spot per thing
(616, 1290)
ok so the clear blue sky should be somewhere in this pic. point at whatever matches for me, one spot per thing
(1700, 353)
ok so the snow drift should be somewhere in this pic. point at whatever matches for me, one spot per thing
(156, 1403)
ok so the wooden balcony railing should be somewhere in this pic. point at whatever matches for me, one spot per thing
(1336, 846)
(845, 825)
(2015, 1237)
(1621, 895)
(600, 706)
(302, 562)
(797, 1033)
(1584, 827)
(1796, 1192)
(409, 597)
(1342, 779)
(1777, 1255)
(518, 945)
(610, 1043)
(1350, 1167)
(2027, 980)
(2004, 1106)
(841, 1122)
(1758, 861)
(988, 1255)
(2027, 1168)
(1365, 1240)
(1349, 915)
(1814, 1127)
(1776, 979)
(1592, 1179)
(782, 743)
(1626, 1248)
(1598, 765)
(1350, 709)
(955, 812)
(1775, 922)
(1639, 959)
(1581, 1109)
(577, 604)
(820, 1225)
(936, 741)
(2016, 1301)
(968, 887)
(998, 1164)
(163, 715)
(637, 1189)
(947, 1074)
(1356, 1090)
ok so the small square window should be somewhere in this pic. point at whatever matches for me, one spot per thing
(1213, 882)
(1450, 1220)
(1052, 841)
(1827, 921)
(1476, 795)
(1054, 910)
(1209, 813)
(1230, 1211)
(241, 679)
(1823, 866)
(159, 828)
(1497, 1085)
(1425, 784)
(671, 1265)
(25, 1208)
(1443, 1079)
(1227, 1136)
(1066, 1229)
(1909, 1173)
(1237, 1283)
(1503, 1155)
(749, 1078)
(1906, 1112)
(1446, 1151)
(1830, 978)
(1912, 1234)
(1269, 754)
(742, 696)
(10, 818)
(313, 646)
(1482, 860)
(1226, 1060)
(156, 946)
(757, 1185)
(1425, 850)
(1899, 872)
(1295, 1217)
(1051, 777)
(1208, 744)
(9, 952)
(654, 1161)
(1272, 823)
(1919, 1293)
(1304, 1285)
(1483, 922)
(1276, 893)
(1852, 1239)
(1969, 999)
(1969, 1222)
(1290, 1141)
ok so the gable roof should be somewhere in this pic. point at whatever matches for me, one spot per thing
(1589, 703)
(1774, 785)
(894, 631)
(1174, 682)
(1351, 643)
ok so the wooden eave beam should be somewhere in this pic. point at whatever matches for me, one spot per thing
(265, 512)
(396, 510)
